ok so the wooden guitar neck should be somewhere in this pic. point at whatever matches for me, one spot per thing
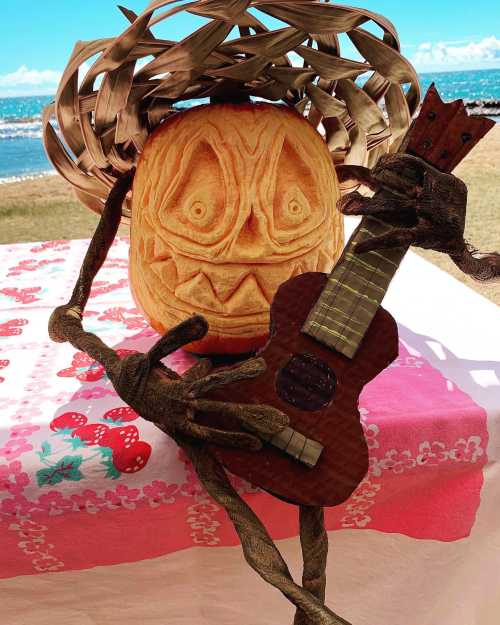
(442, 135)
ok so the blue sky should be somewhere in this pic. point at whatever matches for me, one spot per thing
(37, 36)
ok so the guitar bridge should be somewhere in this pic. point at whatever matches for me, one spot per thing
(296, 445)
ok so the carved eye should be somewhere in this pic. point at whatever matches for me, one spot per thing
(295, 191)
(294, 209)
(198, 214)
(194, 208)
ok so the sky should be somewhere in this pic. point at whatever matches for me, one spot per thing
(37, 36)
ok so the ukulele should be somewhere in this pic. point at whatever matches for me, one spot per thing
(329, 337)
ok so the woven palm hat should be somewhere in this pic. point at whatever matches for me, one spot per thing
(138, 80)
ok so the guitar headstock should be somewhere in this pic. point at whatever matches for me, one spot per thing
(443, 134)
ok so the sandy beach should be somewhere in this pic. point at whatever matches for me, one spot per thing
(45, 209)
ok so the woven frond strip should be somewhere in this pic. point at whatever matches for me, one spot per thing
(232, 57)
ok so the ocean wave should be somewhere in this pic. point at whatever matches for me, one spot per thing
(15, 128)
(22, 127)
(22, 178)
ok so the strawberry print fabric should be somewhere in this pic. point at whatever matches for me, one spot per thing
(78, 467)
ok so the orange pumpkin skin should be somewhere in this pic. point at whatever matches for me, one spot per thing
(229, 201)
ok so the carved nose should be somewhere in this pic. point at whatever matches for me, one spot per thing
(253, 242)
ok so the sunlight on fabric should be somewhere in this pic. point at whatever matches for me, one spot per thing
(485, 378)
(438, 350)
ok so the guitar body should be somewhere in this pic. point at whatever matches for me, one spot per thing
(329, 337)
(318, 388)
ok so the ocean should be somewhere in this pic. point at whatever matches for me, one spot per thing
(21, 149)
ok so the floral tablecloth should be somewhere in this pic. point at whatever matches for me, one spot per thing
(85, 482)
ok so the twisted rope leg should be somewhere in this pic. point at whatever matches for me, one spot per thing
(258, 548)
(314, 543)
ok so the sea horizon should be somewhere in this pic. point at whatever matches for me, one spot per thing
(22, 155)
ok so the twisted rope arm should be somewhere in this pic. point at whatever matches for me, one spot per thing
(430, 214)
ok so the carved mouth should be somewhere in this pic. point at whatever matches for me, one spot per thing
(226, 288)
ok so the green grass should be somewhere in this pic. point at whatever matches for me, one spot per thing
(46, 221)
(41, 210)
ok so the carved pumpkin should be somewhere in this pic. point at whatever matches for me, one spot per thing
(229, 201)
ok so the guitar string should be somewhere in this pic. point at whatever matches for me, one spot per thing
(348, 268)
(358, 299)
(341, 283)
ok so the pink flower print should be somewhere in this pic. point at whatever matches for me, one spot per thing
(398, 461)
(192, 486)
(7, 402)
(22, 296)
(371, 432)
(37, 386)
(60, 246)
(180, 361)
(431, 454)
(12, 479)
(22, 430)
(130, 317)
(47, 562)
(31, 265)
(61, 398)
(17, 506)
(116, 263)
(12, 327)
(375, 466)
(3, 365)
(122, 497)
(363, 414)
(366, 491)
(159, 492)
(88, 501)
(355, 518)
(27, 410)
(145, 333)
(103, 287)
(54, 503)
(85, 369)
(14, 448)
(467, 450)
(97, 392)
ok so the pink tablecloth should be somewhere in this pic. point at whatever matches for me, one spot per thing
(85, 482)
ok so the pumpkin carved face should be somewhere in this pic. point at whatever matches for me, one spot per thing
(229, 201)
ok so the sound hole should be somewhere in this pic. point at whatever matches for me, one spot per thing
(306, 382)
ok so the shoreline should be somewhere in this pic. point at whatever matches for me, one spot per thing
(25, 131)
(491, 108)
(43, 208)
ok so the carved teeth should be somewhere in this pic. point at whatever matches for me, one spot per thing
(228, 288)
(167, 271)
(199, 291)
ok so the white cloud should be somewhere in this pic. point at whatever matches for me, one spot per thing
(25, 81)
(25, 76)
(449, 55)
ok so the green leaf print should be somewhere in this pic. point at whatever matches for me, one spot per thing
(65, 469)
(106, 452)
(46, 450)
(76, 442)
(112, 472)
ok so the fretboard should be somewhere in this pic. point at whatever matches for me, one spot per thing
(355, 289)
(442, 135)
